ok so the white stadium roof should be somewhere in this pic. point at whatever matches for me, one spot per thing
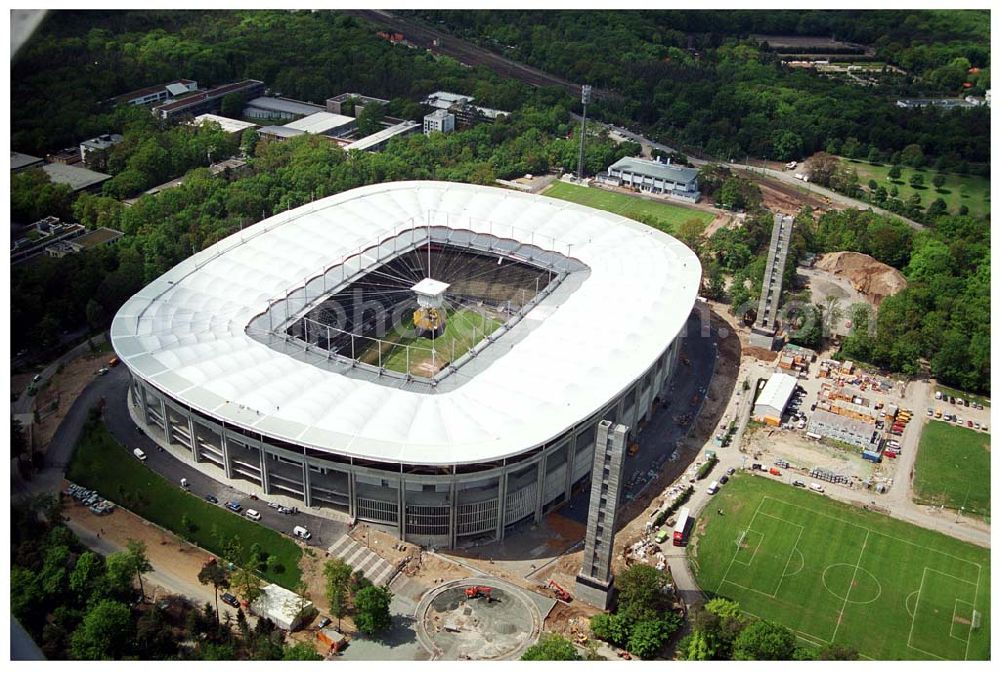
(185, 333)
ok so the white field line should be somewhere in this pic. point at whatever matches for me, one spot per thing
(731, 561)
(850, 587)
(975, 598)
(954, 614)
(916, 605)
(837, 519)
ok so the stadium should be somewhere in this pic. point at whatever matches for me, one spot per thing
(429, 357)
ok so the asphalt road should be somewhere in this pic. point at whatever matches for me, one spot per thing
(658, 439)
(119, 422)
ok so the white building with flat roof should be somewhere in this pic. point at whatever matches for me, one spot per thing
(656, 177)
(773, 400)
(324, 123)
(439, 121)
(268, 107)
(228, 124)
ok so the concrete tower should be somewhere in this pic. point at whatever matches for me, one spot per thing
(594, 583)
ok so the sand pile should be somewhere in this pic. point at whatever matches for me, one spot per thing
(873, 279)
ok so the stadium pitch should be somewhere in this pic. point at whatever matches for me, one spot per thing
(834, 573)
(423, 357)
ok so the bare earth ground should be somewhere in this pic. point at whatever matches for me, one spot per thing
(62, 390)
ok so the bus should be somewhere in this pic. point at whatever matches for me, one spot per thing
(682, 527)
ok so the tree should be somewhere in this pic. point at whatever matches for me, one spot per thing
(646, 638)
(139, 560)
(938, 180)
(642, 592)
(690, 233)
(232, 105)
(822, 167)
(87, 577)
(338, 581)
(610, 627)
(837, 652)
(300, 651)
(912, 155)
(872, 185)
(762, 640)
(917, 181)
(216, 576)
(873, 154)
(551, 646)
(895, 172)
(104, 634)
(369, 121)
(120, 574)
(371, 605)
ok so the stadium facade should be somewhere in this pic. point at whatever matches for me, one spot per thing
(259, 358)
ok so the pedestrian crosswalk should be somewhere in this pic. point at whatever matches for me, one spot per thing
(376, 569)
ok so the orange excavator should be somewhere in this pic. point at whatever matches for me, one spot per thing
(560, 592)
(477, 591)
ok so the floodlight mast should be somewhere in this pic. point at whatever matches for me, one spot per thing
(585, 99)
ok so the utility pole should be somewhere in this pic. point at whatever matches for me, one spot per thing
(585, 99)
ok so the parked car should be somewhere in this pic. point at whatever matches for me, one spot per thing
(724, 479)
(103, 371)
(229, 598)
(816, 486)
(211, 499)
(798, 483)
(234, 506)
(139, 454)
(302, 533)
(276, 506)
(730, 471)
(252, 515)
(969, 423)
(323, 623)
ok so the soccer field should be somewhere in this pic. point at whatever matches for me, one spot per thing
(953, 468)
(668, 215)
(833, 573)
(401, 352)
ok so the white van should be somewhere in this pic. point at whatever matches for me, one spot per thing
(139, 454)
(714, 487)
(816, 486)
(302, 533)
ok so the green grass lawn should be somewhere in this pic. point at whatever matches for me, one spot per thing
(100, 463)
(463, 329)
(953, 468)
(834, 573)
(667, 215)
(971, 191)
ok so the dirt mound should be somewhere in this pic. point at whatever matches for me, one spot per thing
(873, 279)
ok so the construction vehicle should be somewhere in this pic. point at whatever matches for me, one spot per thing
(477, 591)
(561, 593)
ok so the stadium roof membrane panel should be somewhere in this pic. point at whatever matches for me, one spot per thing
(185, 333)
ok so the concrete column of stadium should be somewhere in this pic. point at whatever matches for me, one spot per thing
(306, 487)
(144, 404)
(265, 483)
(540, 481)
(453, 514)
(501, 503)
(167, 438)
(570, 464)
(352, 508)
(401, 500)
(227, 460)
(195, 454)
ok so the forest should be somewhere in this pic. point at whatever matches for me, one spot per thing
(695, 79)
(81, 605)
(709, 87)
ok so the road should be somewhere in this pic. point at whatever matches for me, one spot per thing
(658, 439)
(417, 33)
(26, 401)
(781, 176)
